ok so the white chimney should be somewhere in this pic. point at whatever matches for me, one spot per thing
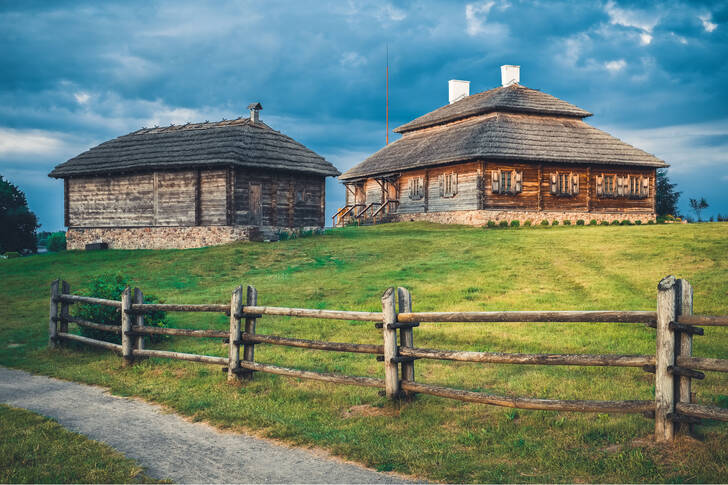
(510, 75)
(458, 89)
(254, 109)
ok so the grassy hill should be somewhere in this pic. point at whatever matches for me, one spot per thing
(446, 268)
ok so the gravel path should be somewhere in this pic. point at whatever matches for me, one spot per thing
(171, 447)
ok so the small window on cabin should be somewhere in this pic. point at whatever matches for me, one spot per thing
(416, 188)
(609, 186)
(449, 184)
(634, 186)
(564, 187)
(300, 195)
(506, 181)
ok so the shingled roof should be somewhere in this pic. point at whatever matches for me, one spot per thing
(510, 99)
(237, 142)
(503, 136)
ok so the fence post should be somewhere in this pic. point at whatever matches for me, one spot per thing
(406, 336)
(139, 319)
(249, 348)
(684, 345)
(391, 368)
(63, 322)
(126, 320)
(53, 316)
(236, 308)
(665, 357)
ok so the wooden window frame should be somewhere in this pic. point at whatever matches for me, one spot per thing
(510, 182)
(416, 188)
(613, 192)
(566, 185)
(449, 185)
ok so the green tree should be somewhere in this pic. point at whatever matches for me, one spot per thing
(17, 222)
(665, 195)
(698, 205)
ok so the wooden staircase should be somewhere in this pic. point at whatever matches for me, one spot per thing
(366, 215)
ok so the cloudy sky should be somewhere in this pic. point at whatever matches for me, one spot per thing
(75, 74)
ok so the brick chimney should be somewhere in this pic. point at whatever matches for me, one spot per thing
(254, 109)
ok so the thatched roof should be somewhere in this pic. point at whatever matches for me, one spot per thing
(503, 136)
(234, 142)
(509, 99)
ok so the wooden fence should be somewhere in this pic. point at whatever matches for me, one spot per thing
(673, 364)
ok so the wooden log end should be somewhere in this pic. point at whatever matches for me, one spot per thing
(387, 293)
(666, 283)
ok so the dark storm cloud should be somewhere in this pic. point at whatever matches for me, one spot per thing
(77, 73)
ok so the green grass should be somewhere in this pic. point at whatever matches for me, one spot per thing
(34, 449)
(446, 268)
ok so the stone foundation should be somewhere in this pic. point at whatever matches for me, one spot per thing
(481, 217)
(180, 237)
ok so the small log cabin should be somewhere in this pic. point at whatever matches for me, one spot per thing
(509, 153)
(193, 185)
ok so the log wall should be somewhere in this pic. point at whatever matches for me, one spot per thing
(205, 197)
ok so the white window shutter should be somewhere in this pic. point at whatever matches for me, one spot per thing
(645, 186)
(454, 183)
(575, 183)
(519, 183)
(620, 186)
(600, 184)
(495, 181)
(441, 181)
(554, 182)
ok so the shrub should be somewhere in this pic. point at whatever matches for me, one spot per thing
(527, 223)
(111, 287)
(491, 223)
(650, 221)
(626, 223)
(605, 223)
(283, 236)
(567, 222)
(515, 223)
(580, 222)
(56, 242)
(638, 222)
(615, 222)
(503, 224)
(12, 254)
(593, 222)
(555, 223)
(544, 222)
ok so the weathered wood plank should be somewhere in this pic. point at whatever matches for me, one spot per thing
(406, 335)
(702, 363)
(665, 357)
(633, 407)
(181, 332)
(531, 316)
(89, 299)
(89, 341)
(127, 343)
(314, 344)
(98, 326)
(138, 298)
(534, 359)
(684, 346)
(700, 411)
(251, 299)
(703, 320)
(53, 314)
(207, 359)
(236, 307)
(318, 376)
(174, 307)
(391, 369)
(313, 313)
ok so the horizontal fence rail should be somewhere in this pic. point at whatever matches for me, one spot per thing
(536, 359)
(555, 316)
(673, 364)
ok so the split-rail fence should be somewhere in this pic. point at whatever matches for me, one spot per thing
(673, 363)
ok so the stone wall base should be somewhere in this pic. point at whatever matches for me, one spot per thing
(481, 217)
(177, 237)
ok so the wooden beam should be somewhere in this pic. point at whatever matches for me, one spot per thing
(684, 346)
(703, 321)
(406, 335)
(530, 316)
(127, 345)
(53, 315)
(236, 307)
(318, 376)
(251, 299)
(706, 412)
(66, 210)
(138, 298)
(539, 205)
(206, 359)
(391, 369)
(534, 359)
(89, 341)
(702, 363)
(313, 344)
(89, 299)
(633, 407)
(665, 357)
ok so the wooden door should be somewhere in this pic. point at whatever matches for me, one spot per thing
(256, 204)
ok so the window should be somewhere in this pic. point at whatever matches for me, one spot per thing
(448, 184)
(635, 187)
(416, 188)
(564, 184)
(301, 195)
(506, 182)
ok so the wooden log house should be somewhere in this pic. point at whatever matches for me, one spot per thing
(193, 185)
(509, 153)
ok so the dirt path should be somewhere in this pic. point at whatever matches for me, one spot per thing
(167, 445)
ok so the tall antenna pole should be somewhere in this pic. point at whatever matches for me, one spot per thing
(387, 94)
